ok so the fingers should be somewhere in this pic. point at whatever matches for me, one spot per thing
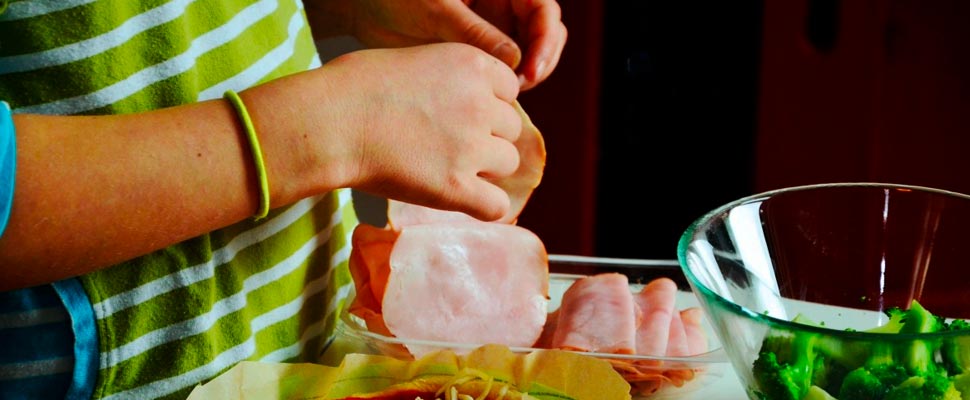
(542, 29)
(508, 122)
(536, 24)
(459, 23)
(505, 84)
(501, 159)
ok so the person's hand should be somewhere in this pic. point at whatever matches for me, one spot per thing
(429, 125)
(527, 35)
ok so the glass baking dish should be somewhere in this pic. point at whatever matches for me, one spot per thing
(670, 377)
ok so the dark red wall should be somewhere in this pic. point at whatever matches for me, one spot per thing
(889, 101)
(565, 109)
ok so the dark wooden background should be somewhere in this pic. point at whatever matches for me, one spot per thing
(662, 110)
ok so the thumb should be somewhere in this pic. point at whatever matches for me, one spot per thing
(458, 23)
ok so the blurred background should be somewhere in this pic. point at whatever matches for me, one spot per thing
(663, 110)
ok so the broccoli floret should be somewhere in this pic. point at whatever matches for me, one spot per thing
(827, 374)
(792, 364)
(788, 365)
(961, 383)
(958, 325)
(871, 383)
(917, 355)
(933, 386)
(896, 316)
(777, 380)
(852, 355)
(785, 366)
(956, 351)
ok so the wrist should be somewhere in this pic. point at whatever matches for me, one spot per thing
(302, 143)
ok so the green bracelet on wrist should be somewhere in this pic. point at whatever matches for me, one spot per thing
(256, 151)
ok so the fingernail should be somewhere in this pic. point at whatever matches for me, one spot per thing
(540, 68)
(508, 53)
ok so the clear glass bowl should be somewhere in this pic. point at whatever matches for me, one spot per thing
(840, 255)
(702, 371)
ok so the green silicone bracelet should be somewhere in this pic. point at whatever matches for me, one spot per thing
(255, 150)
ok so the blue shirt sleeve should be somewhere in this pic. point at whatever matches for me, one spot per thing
(8, 163)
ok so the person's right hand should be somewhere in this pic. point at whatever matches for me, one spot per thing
(428, 125)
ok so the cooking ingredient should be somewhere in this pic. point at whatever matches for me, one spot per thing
(472, 282)
(655, 318)
(599, 313)
(956, 352)
(489, 372)
(694, 331)
(790, 365)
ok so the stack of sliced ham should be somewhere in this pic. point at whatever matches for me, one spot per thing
(600, 313)
(447, 277)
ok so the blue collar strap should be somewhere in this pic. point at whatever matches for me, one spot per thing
(8, 163)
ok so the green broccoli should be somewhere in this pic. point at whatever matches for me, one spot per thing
(962, 384)
(918, 354)
(932, 386)
(790, 365)
(873, 382)
(956, 352)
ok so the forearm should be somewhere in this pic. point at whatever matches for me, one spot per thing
(422, 124)
(94, 191)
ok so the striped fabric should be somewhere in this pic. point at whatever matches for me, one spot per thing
(38, 360)
(156, 326)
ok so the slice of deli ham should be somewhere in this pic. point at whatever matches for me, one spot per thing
(694, 328)
(600, 313)
(655, 309)
(597, 314)
(677, 338)
(472, 282)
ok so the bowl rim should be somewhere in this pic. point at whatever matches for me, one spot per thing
(773, 322)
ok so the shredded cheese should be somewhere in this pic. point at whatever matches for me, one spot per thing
(450, 389)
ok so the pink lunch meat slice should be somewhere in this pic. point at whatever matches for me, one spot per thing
(597, 314)
(655, 303)
(473, 282)
(401, 214)
(696, 338)
(677, 338)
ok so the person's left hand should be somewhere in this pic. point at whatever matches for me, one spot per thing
(528, 35)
